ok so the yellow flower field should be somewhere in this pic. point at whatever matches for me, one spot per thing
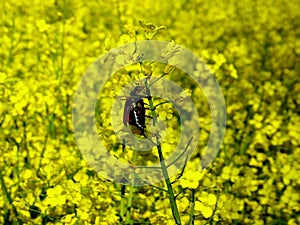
(253, 49)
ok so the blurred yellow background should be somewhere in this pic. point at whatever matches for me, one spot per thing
(252, 47)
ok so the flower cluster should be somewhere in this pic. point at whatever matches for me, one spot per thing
(253, 49)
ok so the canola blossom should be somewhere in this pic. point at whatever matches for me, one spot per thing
(252, 48)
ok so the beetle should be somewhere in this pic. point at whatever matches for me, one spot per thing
(135, 111)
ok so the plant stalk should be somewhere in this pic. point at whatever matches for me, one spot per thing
(173, 204)
(130, 196)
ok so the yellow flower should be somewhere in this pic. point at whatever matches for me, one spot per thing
(82, 214)
(42, 25)
(205, 210)
(81, 177)
(190, 179)
(68, 218)
(56, 196)
(230, 173)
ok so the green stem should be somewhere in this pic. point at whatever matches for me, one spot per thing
(192, 217)
(130, 196)
(173, 204)
(123, 189)
(169, 186)
(8, 198)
